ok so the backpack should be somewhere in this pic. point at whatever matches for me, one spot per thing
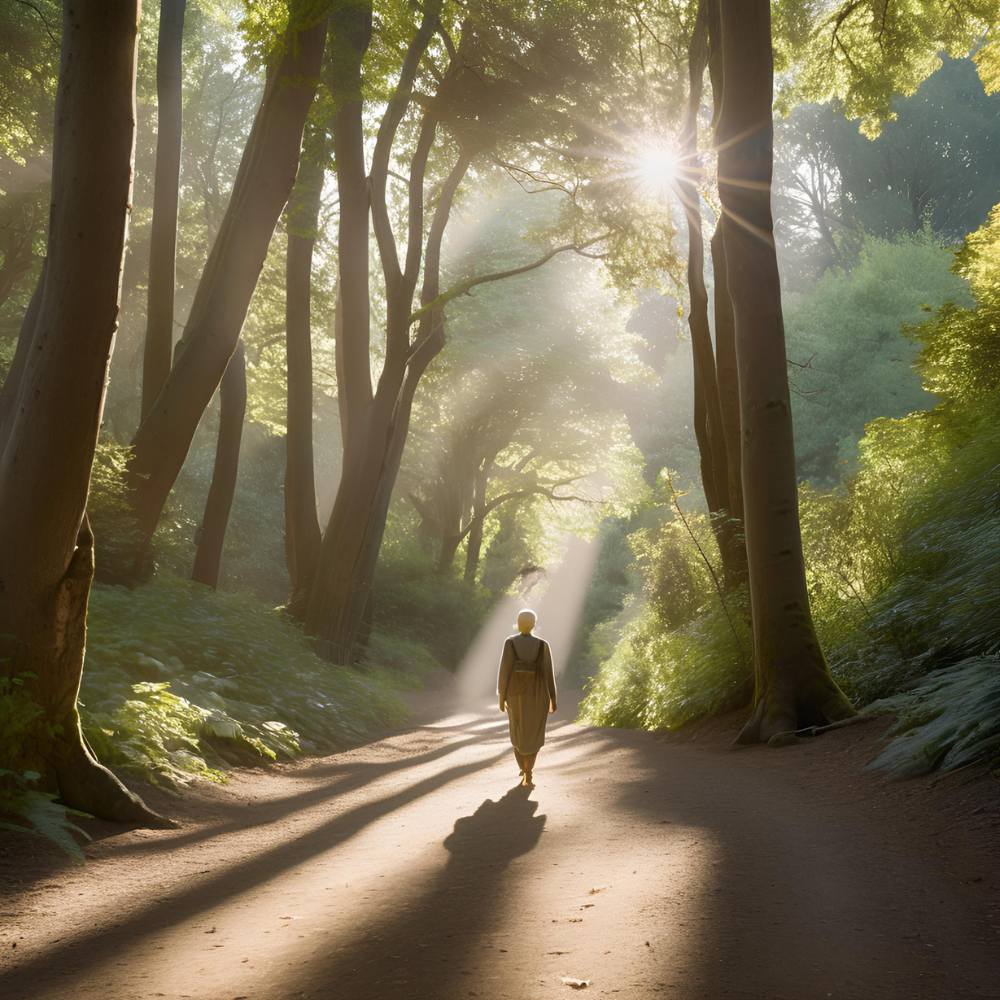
(523, 677)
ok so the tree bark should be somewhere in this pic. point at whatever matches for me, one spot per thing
(728, 376)
(474, 547)
(374, 423)
(793, 688)
(709, 425)
(46, 547)
(263, 184)
(232, 409)
(449, 548)
(11, 390)
(302, 530)
(707, 417)
(163, 234)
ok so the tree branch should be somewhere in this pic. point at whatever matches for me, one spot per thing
(467, 284)
(542, 489)
(394, 112)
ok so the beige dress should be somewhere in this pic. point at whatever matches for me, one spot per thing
(526, 693)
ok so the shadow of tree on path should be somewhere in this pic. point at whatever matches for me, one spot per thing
(94, 948)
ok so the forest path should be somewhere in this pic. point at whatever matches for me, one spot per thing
(414, 867)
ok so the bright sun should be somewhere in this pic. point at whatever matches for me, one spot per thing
(658, 169)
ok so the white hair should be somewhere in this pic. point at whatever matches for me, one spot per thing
(526, 619)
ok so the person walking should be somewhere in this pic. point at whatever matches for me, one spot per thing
(526, 688)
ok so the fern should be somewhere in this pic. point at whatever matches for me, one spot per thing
(44, 815)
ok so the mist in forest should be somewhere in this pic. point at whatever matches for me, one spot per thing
(335, 335)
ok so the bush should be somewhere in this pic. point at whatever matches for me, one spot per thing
(180, 680)
(902, 563)
(684, 654)
(903, 569)
(416, 605)
(949, 718)
(658, 678)
(19, 715)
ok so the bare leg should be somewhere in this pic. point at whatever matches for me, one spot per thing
(520, 761)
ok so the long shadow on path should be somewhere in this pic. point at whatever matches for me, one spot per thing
(95, 948)
(423, 950)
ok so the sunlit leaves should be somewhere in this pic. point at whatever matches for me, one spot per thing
(960, 356)
(861, 53)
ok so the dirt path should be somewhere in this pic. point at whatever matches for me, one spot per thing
(414, 868)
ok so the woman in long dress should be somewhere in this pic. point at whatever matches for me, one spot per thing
(526, 688)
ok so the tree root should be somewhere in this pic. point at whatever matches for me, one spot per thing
(87, 785)
(793, 702)
(799, 735)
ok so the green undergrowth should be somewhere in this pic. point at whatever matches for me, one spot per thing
(947, 719)
(399, 663)
(905, 575)
(181, 681)
(657, 679)
(24, 808)
(417, 605)
(683, 653)
(902, 563)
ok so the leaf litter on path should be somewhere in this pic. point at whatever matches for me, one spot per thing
(576, 984)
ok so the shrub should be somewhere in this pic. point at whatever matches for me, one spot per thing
(180, 679)
(19, 715)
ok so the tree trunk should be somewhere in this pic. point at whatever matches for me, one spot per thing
(11, 390)
(449, 549)
(793, 685)
(263, 184)
(374, 424)
(708, 414)
(474, 547)
(166, 181)
(302, 531)
(232, 409)
(727, 378)
(46, 548)
(473, 550)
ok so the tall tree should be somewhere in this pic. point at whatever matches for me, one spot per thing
(302, 530)
(793, 684)
(714, 436)
(166, 182)
(262, 186)
(374, 423)
(46, 547)
(727, 374)
(232, 409)
(375, 420)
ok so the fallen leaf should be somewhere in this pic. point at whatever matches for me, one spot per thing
(598, 888)
(576, 984)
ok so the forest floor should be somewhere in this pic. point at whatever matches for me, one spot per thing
(414, 867)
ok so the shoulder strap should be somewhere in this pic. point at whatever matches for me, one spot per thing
(538, 655)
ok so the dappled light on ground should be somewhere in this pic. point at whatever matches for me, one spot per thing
(416, 866)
